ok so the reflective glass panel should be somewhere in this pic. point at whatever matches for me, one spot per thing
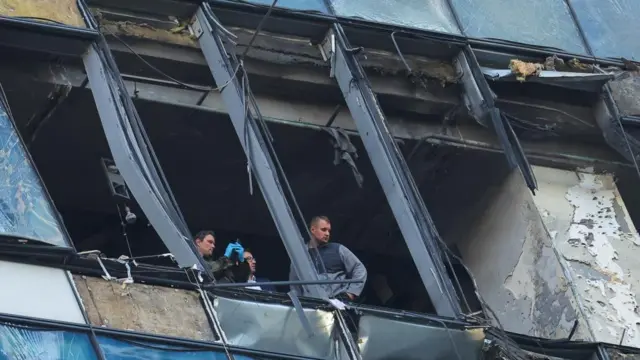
(434, 15)
(25, 210)
(17, 342)
(540, 22)
(135, 350)
(610, 26)
(302, 5)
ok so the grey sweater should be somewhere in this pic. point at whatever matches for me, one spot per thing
(334, 261)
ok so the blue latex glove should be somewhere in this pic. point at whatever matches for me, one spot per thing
(235, 247)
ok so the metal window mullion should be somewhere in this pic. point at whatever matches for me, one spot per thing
(225, 72)
(111, 111)
(397, 183)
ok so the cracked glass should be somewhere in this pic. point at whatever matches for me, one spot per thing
(541, 22)
(610, 26)
(434, 15)
(23, 343)
(135, 350)
(25, 210)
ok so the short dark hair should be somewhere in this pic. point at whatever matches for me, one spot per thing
(316, 219)
(203, 234)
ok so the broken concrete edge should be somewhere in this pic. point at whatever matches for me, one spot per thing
(285, 49)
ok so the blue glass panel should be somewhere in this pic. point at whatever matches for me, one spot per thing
(611, 26)
(305, 5)
(125, 350)
(539, 22)
(22, 343)
(24, 209)
(432, 15)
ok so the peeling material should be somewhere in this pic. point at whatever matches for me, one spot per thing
(597, 238)
(523, 69)
(62, 11)
(144, 31)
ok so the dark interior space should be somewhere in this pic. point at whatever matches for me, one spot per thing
(627, 179)
(204, 164)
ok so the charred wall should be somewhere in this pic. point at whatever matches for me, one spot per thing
(511, 256)
(596, 238)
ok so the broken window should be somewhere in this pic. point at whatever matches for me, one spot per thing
(304, 5)
(26, 211)
(21, 342)
(610, 26)
(419, 14)
(546, 23)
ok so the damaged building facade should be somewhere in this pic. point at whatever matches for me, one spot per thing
(480, 160)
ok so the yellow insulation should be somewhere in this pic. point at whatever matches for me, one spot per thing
(62, 11)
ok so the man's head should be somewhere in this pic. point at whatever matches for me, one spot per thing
(320, 228)
(205, 242)
(248, 257)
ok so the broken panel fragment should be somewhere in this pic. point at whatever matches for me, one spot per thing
(25, 209)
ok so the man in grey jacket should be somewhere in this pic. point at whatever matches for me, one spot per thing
(333, 261)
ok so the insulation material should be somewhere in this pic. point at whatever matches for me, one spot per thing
(144, 308)
(144, 31)
(523, 69)
(62, 11)
(610, 26)
(541, 22)
(432, 15)
(25, 210)
(21, 343)
(596, 239)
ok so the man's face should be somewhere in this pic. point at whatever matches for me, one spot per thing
(248, 257)
(206, 245)
(321, 231)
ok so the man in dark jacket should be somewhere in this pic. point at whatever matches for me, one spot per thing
(333, 261)
(226, 268)
(249, 259)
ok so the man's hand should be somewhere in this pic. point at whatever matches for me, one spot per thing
(234, 247)
(351, 296)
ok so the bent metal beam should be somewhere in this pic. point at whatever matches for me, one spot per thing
(226, 72)
(407, 205)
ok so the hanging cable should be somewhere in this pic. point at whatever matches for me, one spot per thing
(258, 29)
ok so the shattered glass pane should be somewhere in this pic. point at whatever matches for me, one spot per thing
(303, 5)
(540, 22)
(25, 210)
(21, 343)
(434, 15)
(129, 350)
(610, 26)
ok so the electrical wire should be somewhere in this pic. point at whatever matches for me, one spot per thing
(258, 29)
(165, 75)
(261, 123)
(486, 309)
